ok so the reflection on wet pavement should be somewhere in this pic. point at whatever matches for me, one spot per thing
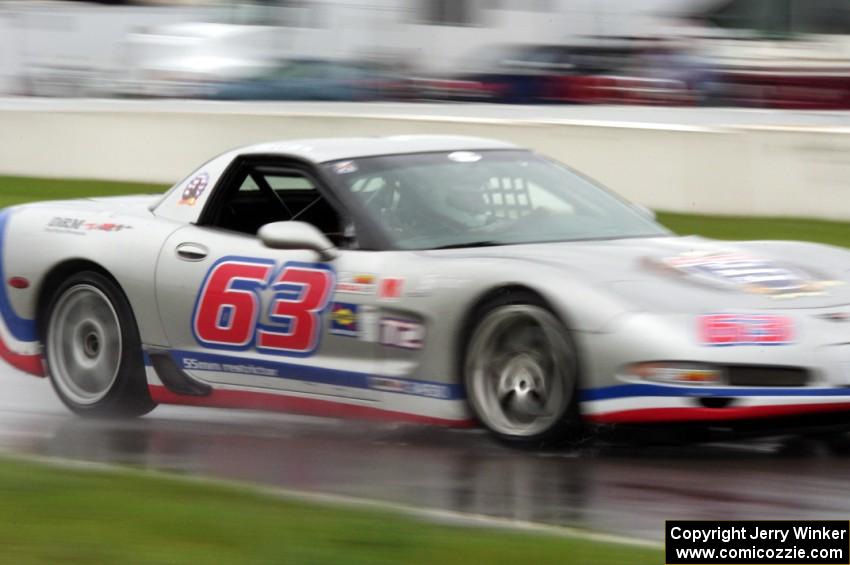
(626, 490)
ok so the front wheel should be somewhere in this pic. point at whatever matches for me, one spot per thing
(93, 350)
(520, 372)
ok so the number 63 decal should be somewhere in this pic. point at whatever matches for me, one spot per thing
(227, 310)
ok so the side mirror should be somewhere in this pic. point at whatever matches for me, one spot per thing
(648, 212)
(297, 235)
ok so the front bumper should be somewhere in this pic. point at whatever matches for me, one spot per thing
(656, 403)
(610, 394)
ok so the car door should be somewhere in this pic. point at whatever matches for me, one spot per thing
(240, 314)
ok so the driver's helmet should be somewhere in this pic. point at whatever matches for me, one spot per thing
(466, 203)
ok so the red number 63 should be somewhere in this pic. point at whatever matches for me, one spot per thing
(227, 310)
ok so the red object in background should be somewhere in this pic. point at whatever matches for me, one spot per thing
(618, 89)
(459, 89)
(391, 288)
(788, 90)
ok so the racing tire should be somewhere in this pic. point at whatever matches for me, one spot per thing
(92, 349)
(520, 370)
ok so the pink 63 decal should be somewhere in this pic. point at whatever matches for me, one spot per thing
(228, 311)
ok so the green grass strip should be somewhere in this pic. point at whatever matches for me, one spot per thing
(744, 228)
(59, 515)
(19, 190)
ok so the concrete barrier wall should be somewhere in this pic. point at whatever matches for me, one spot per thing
(746, 169)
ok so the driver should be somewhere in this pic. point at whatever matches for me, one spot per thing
(466, 204)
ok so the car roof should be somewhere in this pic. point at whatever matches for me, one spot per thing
(333, 149)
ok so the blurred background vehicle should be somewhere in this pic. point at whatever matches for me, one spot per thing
(752, 53)
(606, 70)
(777, 53)
(141, 48)
(315, 79)
(189, 60)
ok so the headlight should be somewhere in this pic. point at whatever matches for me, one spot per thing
(676, 373)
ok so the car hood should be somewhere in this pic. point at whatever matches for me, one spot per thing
(685, 274)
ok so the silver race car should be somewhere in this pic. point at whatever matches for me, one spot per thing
(443, 280)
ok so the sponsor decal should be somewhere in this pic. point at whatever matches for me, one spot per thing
(405, 334)
(345, 319)
(79, 226)
(356, 283)
(193, 364)
(431, 390)
(194, 190)
(228, 308)
(107, 226)
(745, 329)
(355, 320)
(345, 167)
(66, 223)
(309, 373)
(747, 273)
(368, 321)
(391, 288)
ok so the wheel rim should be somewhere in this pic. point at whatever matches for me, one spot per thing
(84, 344)
(519, 370)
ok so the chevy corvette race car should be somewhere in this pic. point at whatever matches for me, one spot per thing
(444, 280)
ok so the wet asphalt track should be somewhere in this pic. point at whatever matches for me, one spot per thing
(624, 490)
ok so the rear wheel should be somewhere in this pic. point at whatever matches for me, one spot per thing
(93, 350)
(520, 372)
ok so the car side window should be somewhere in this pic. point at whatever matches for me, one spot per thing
(263, 194)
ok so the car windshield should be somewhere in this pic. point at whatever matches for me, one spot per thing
(477, 198)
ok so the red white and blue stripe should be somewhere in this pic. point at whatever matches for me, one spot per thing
(19, 345)
(652, 403)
